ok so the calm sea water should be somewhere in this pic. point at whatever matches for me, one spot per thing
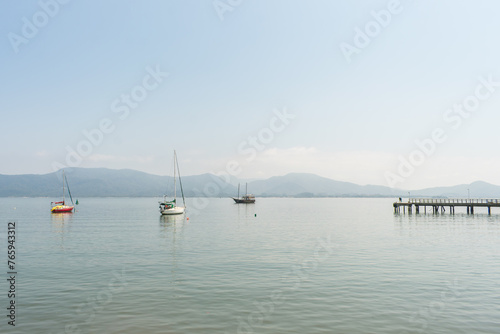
(279, 266)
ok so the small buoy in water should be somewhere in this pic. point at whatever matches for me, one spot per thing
(187, 218)
(255, 215)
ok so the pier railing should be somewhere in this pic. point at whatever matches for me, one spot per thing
(440, 204)
(454, 200)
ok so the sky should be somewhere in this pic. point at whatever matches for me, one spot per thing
(397, 93)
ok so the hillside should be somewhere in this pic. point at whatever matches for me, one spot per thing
(102, 182)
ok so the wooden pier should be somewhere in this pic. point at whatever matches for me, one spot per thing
(439, 205)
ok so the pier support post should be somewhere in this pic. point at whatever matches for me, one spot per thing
(489, 210)
(472, 209)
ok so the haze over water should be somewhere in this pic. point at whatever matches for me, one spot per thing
(279, 266)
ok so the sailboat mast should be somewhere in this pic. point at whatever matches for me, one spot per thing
(69, 191)
(175, 189)
(246, 189)
(238, 190)
(180, 181)
(63, 186)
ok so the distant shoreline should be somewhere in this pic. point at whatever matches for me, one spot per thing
(159, 196)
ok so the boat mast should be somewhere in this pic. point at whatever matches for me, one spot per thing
(63, 187)
(238, 190)
(246, 189)
(69, 191)
(180, 180)
(175, 189)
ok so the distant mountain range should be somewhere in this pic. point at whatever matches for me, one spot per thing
(102, 182)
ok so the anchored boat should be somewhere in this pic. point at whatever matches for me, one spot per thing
(246, 199)
(170, 207)
(59, 207)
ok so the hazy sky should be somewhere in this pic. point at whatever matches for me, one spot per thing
(342, 89)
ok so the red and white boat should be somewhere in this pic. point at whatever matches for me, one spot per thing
(60, 207)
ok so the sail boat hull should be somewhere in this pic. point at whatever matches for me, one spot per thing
(244, 200)
(178, 210)
(62, 208)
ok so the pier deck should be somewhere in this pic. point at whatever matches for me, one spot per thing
(440, 204)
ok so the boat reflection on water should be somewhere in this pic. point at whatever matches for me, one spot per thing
(170, 219)
(61, 218)
(245, 215)
(171, 230)
(61, 222)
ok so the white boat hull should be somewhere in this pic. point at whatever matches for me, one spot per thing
(178, 210)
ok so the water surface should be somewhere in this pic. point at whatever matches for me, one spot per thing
(278, 266)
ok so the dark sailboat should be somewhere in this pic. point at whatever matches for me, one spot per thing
(246, 199)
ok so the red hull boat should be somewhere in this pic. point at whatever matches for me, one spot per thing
(61, 207)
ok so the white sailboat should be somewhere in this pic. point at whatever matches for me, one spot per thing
(170, 207)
